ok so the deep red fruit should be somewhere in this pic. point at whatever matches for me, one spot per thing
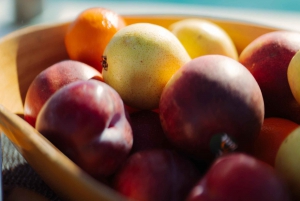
(212, 104)
(159, 175)
(267, 58)
(239, 177)
(147, 131)
(86, 121)
(50, 80)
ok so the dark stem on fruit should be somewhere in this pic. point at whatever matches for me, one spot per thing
(104, 63)
(222, 143)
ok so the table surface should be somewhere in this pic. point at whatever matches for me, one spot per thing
(18, 174)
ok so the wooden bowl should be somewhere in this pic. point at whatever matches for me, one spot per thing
(24, 54)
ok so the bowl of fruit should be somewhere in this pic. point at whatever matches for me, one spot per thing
(139, 107)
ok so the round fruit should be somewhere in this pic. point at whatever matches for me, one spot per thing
(268, 58)
(212, 105)
(240, 177)
(88, 35)
(139, 61)
(50, 80)
(202, 37)
(273, 132)
(87, 122)
(287, 161)
(156, 175)
(293, 75)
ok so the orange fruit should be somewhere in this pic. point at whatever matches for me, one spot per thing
(88, 35)
(273, 132)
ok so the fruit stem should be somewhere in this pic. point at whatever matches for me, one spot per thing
(222, 143)
(104, 63)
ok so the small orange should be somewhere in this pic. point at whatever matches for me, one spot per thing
(273, 132)
(88, 35)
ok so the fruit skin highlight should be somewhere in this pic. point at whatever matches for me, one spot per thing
(88, 35)
(202, 37)
(139, 61)
(208, 96)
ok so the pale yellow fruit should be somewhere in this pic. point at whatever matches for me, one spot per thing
(287, 162)
(202, 37)
(140, 60)
(293, 75)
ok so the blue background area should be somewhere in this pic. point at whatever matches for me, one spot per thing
(276, 5)
(55, 10)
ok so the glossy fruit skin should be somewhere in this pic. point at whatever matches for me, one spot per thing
(268, 58)
(240, 177)
(88, 35)
(273, 132)
(50, 80)
(86, 121)
(293, 75)
(210, 95)
(201, 37)
(157, 174)
(287, 162)
(138, 62)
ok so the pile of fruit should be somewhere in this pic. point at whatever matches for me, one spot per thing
(174, 113)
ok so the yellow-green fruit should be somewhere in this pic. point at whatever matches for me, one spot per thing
(293, 74)
(287, 162)
(202, 37)
(138, 62)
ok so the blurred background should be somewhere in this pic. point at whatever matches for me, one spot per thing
(16, 14)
